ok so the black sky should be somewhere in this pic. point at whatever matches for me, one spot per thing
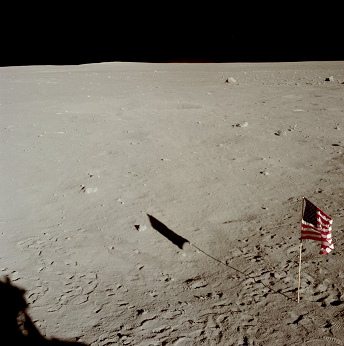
(63, 36)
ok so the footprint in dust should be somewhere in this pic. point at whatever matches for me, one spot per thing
(245, 341)
(183, 341)
(325, 293)
(196, 282)
(77, 290)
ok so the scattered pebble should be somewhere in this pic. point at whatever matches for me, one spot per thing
(280, 133)
(264, 172)
(153, 294)
(88, 190)
(231, 80)
(329, 79)
(140, 228)
(244, 124)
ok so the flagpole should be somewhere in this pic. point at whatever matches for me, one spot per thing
(299, 284)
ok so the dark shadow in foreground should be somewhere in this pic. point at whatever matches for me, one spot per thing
(180, 241)
(16, 326)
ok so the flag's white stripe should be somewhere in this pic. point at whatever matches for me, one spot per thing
(322, 223)
(322, 228)
(324, 216)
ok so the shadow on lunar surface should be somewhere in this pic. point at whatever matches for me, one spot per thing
(166, 232)
(180, 242)
(16, 326)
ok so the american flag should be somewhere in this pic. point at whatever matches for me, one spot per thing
(316, 225)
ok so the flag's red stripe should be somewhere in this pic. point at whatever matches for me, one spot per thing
(310, 237)
(315, 234)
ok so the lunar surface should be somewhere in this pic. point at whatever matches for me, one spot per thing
(160, 204)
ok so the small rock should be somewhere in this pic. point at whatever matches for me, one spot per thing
(292, 128)
(231, 80)
(280, 133)
(96, 310)
(329, 79)
(244, 124)
(140, 228)
(264, 172)
(153, 294)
